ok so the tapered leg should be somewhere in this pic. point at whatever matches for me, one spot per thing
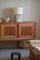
(11, 56)
(19, 57)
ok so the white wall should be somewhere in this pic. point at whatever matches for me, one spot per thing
(31, 8)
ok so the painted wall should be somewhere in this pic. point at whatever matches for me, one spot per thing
(31, 13)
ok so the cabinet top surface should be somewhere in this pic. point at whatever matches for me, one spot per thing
(15, 22)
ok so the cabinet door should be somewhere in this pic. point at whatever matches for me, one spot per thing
(0, 31)
(27, 30)
(9, 30)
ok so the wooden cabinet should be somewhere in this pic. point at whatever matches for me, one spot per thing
(17, 30)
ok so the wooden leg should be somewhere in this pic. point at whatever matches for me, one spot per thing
(19, 57)
(11, 56)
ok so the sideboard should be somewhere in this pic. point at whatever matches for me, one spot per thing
(17, 31)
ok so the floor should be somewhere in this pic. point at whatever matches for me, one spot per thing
(6, 53)
(24, 58)
(17, 59)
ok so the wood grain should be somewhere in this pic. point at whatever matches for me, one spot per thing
(10, 31)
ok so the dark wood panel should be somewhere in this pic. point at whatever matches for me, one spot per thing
(26, 31)
(9, 31)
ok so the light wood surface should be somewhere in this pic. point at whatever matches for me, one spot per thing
(10, 31)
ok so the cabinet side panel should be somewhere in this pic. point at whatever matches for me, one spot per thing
(0, 31)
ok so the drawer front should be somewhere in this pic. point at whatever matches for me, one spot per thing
(9, 30)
